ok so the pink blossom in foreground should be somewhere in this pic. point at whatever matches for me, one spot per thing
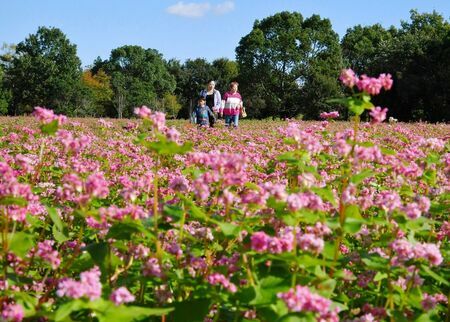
(378, 114)
(386, 81)
(121, 295)
(47, 116)
(348, 77)
(48, 254)
(370, 85)
(260, 241)
(329, 115)
(152, 268)
(12, 312)
(143, 112)
(430, 301)
(300, 299)
(89, 286)
(97, 186)
(219, 279)
(405, 251)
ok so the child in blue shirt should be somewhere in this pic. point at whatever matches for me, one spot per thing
(202, 113)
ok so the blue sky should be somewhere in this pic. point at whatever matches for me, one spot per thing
(185, 29)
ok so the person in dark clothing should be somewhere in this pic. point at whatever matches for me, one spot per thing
(203, 113)
(213, 99)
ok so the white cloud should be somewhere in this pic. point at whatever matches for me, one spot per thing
(190, 10)
(197, 10)
(223, 8)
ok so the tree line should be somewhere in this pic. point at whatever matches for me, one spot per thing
(287, 66)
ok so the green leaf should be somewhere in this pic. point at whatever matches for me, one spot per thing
(20, 243)
(326, 288)
(353, 219)
(376, 263)
(50, 128)
(387, 151)
(197, 213)
(173, 211)
(123, 230)
(59, 229)
(359, 177)
(66, 309)
(268, 288)
(229, 230)
(297, 317)
(54, 216)
(166, 147)
(380, 276)
(424, 317)
(124, 313)
(10, 200)
(325, 193)
(427, 271)
(60, 235)
(192, 310)
(98, 252)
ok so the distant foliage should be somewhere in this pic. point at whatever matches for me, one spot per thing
(287, 65)
(45, 70)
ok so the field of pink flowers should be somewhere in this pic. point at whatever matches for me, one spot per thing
(136, 220)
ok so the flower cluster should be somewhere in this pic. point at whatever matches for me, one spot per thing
(88, 286)
(47, 116)
(405, 251)
(370, 85)
(300, 299)
(219, 279)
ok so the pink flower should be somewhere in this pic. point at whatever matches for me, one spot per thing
(300, 299)
(47, 116)
(388, 200)
(159, 121)
(369, 85)
(90, 280)
(297, 201)
(152, 268)
(121, 295)
(89, 286)
(219, 279)
(260, 241)
(179, 183)
(378, 114)
(12, 312)
(46, 252)
(348, 77)
(172, 134)
(310, 242)
(97, 186)
(143, 112)
(412, 210)
(386, 81)
(430, 301)
(330, 115)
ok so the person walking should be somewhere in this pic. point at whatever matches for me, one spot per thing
(203, 113)
(231, 105)
(213, 99)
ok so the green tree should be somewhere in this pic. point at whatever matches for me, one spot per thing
(224, 72)
(419, 57)
(364, 48)
(191, 77)
(416, 55)
(45, 71)
(289, 65)
(99, 96)
(169, 104)
(138, 77)
(5, 94)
